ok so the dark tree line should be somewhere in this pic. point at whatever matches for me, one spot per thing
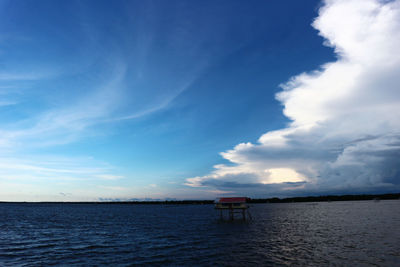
(256, 200)
(326, 198)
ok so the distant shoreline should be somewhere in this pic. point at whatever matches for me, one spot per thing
(327, 198)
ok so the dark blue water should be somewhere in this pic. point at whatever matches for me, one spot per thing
(313, 234)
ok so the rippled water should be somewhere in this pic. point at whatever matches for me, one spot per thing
(337, 233)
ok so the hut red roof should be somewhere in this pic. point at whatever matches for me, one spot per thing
(232, 200)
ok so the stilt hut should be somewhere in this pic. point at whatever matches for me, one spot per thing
(232, 205)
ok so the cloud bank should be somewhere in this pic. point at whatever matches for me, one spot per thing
(344, 134)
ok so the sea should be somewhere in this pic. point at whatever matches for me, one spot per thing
(350, 233)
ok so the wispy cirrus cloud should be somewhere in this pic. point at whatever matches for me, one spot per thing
(344, 132)
(18, 76)
(66, 123)
(55, 168)
(102, 80)
(7, 103)
(62, 86)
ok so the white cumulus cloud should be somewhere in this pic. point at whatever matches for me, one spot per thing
(344, 133)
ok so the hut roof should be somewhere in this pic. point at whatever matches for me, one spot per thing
(232, 200)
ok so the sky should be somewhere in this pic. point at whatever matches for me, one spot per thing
(132, 100)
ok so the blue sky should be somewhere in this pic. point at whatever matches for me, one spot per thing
(197, 99)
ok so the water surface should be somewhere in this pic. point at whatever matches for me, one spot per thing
(339, 233)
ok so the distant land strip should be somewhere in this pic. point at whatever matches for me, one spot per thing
(327, 198)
